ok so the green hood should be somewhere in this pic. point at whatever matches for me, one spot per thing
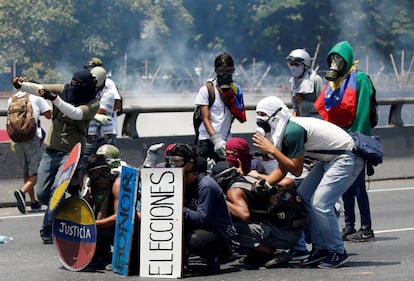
(344, 49)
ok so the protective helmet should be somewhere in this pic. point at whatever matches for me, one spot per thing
(92, 62)
(301, 56)
(111, 153)
(100, 75)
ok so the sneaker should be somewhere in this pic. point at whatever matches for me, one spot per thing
(213, 266)
(21, 201)
(278, 259)
(362, 235)
(347, 231)
(334, 260)
(256, 259)
(36, 206)
(108, 267)
(315, 256)
(298, 256)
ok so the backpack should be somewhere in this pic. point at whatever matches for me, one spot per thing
(21, 124)
(197, 111)
(373, 106)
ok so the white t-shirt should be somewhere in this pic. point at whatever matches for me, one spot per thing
(39, 105)
(111, 86)
(323, 135)
(220, 115)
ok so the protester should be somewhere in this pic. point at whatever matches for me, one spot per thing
(207, 223)
(289, 139)
(259, 231)
(74, 105)
(228, 104)
(110, 86)
(103, 199)
(345, 101)
(29, 153)
(305, 83)
(100, 129)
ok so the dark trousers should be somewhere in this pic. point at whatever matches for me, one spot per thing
(357, 190)
(206, 244)
(205, 149)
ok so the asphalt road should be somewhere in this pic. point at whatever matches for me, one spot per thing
(389, 257)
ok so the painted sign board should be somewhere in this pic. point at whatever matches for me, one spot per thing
(124, 228)
(74, 233)
(161, 223)
(65, 177)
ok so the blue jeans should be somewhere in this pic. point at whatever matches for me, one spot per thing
(50, 165)
(320, 190)
(357, 190)
(90, 148)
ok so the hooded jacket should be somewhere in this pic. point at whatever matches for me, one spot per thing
(363, 87)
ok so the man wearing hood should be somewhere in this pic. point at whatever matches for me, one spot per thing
(289, 139)
(74, 105)
(345, 101)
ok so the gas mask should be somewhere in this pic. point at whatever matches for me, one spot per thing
(224, 75)
(225, 79)
(336, 68)
(263, 121)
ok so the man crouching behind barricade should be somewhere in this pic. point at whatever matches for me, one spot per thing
(103, 198)
(268, 221)
(208, 230)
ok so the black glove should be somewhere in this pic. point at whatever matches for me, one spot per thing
(47, 95)
(16, 82)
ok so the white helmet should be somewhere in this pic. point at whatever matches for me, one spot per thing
(100, 75)
(301, 56)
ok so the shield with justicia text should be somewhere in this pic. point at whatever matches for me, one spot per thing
(74, 233)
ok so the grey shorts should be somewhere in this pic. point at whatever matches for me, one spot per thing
(251, 235)
(29, 154)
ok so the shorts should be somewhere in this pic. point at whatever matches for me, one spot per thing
(251, 235)
(29, 154)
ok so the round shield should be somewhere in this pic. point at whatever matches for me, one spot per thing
(74, 233)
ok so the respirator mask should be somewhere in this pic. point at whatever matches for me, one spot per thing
(224, 75)
(336, 68)
(263, 121)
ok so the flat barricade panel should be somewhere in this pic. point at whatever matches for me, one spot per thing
(161, 223)
(124, 228)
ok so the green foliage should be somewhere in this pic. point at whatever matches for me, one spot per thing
(42, 37)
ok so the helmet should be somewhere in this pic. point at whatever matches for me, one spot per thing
(91, 63)
(300, 55)
(100, 75)
(111, 154)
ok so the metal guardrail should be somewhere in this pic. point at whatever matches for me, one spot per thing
(129, 126)
(132, 112)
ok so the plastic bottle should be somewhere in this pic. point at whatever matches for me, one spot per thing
(5, 239)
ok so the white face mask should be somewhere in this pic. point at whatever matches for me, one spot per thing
(297, 70)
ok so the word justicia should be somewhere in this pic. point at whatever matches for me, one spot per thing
(81, 232)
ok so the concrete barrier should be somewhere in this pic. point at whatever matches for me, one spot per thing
(398, 145)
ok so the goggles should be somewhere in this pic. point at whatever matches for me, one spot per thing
(175, 161)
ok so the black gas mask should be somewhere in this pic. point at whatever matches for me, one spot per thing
(263, 121)
(224, 75)
(264, 124)
(336, 67)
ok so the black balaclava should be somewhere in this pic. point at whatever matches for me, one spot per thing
(83, 92)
